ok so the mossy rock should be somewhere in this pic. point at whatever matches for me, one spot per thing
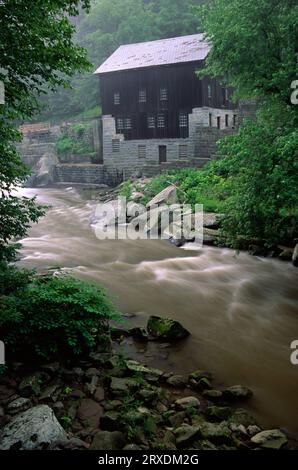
(218, 413)
(166, 329)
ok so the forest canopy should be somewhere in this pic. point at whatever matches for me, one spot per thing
(101, 31)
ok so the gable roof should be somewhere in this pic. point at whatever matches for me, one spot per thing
(155, 53)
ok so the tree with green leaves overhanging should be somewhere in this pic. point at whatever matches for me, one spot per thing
(254, 46)
(37, 54)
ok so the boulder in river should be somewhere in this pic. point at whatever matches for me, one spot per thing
(237, 392)
(36, 428)
(166, 329)
(45, 169)
(167, 196)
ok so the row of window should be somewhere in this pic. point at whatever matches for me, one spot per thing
(227, 121)
(153, 122)
(163, 95)
(142, 149)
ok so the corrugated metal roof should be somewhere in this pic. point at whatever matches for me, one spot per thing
(162, 52)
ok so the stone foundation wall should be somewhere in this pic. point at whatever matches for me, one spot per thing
(86, 174)
(142, 156)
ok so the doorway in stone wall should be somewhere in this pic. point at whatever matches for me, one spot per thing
(162, 149)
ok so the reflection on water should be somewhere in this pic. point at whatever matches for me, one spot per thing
(242, 311)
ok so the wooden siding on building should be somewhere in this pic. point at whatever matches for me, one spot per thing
(184, 90)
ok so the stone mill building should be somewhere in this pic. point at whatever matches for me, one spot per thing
(157, 112)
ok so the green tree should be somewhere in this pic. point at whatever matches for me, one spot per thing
(109, 24)
(254, 46)
(37, 53)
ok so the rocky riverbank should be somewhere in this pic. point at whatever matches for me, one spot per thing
(182, 232)
(106, 401)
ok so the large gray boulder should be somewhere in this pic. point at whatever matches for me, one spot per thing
(36, 428)
(167, 196)
(45, 169)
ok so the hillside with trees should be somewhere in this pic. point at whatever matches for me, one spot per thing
(101, 31)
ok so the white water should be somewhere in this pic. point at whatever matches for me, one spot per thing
(242, 311)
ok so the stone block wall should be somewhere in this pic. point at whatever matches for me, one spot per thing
(142, 156)
(86, 174)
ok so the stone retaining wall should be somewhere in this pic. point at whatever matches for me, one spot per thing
(86, 174)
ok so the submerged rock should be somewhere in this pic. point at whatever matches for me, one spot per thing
(36, 428)
(166, 329)
(237, 392)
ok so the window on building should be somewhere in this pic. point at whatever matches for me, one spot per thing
(210, 120)
(142, 95)
(182, 151)
(235, 120)
(151, 122)
(142, 151)
(183, 120)
(227, 94)
(209, 91)
(163, 94)
(218, 122)
(119, 124)
(161, 122)
(127, 124)
(116, 145)
(227, 120)
(116, 98)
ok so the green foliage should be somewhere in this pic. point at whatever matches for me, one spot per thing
(193, 187)
(66, 422)
(51, 316)
(254, 45)
(36, 53)
(109, 24)
(254, 184)
(69, 146)
(261, 166)
(74, 141)
(126, 189)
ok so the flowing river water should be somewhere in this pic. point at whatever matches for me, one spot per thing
(242, 311)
